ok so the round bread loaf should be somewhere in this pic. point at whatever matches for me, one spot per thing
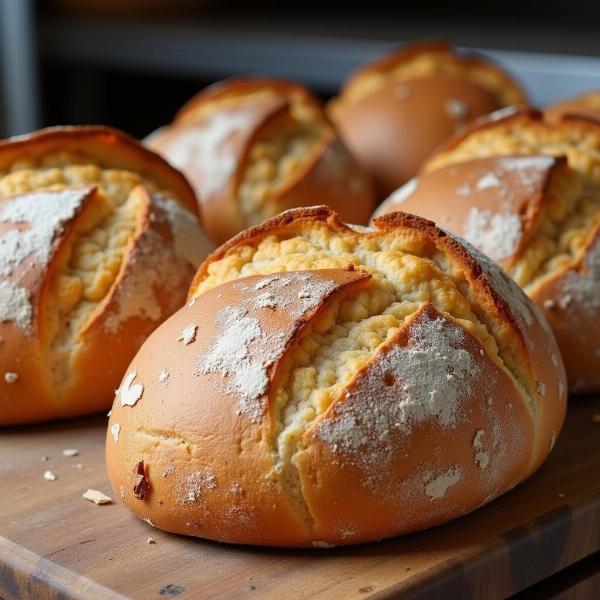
(394, 112)
(329, 384)
(583, 106)
(98, 244)
(555, 234)
(255, 147)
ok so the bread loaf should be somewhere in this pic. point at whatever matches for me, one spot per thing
(394, 112)
(328, 384)
(586, 106)
(255, 147)
(549, 242)
(99, 241)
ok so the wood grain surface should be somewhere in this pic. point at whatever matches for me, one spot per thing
(54, 544)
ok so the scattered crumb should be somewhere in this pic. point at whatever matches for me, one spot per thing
(188, 335)
(109, 413)
(70, 452)
(151, 541)
(192, 302)
(49, 476)
(45, 458)
(78, 466)
(96, 497)
(129, 393)
(115, 430)
(321, 544)
(10, 377)
(456, 108)
(565, 301)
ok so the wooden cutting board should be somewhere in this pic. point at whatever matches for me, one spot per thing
(54, 544)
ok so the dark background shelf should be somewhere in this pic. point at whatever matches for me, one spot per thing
(135, 73)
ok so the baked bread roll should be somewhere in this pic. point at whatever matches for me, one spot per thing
(558, 258)
(394, 112)
(328, 384)
(98, 245)
(586, 106)
(255, 147)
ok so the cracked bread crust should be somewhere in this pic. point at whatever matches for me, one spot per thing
(92, 259)
(100, 145)
(395, 112)
(506, 194)
(378, 368)
(566, 284)
(254, 148)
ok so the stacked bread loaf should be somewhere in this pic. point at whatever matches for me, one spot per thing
(585, 106)
(394, 112)
(99, 239)
(329, 385)
(254, 147)
(316, 381)
(526, 190)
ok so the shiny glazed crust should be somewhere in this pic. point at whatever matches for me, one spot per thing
(373, 392)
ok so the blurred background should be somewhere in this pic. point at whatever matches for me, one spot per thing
(132, 63)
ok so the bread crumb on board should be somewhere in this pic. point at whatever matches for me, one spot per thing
(49, 476)
(96, 497)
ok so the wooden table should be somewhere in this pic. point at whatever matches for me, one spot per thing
(54, 544)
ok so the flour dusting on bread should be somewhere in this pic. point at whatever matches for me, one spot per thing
(44, 215)
(205, 145)
(243, 351)
(15, 305)
(497, 234)
(428, 379)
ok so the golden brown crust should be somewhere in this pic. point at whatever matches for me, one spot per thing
(394, 124)
(410, 52)
(180, 493)
(62, 352)
(498, 295)
(110, 147)
(578, 138)
(239, 86)
(384, 457)
(231, 119)
(495, 203)
(571, 304)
